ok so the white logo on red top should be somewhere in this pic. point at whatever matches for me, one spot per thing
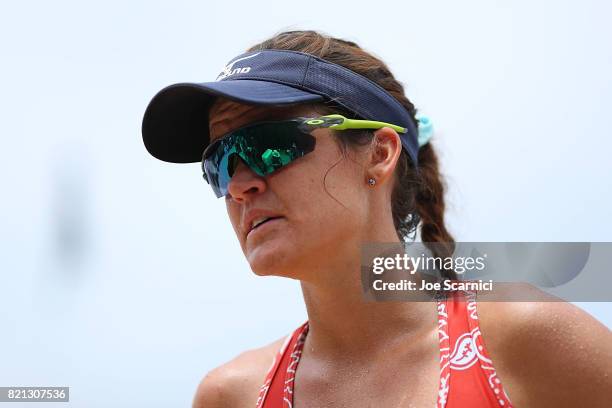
(464, 354)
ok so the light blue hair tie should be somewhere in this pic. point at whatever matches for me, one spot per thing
(425, 129)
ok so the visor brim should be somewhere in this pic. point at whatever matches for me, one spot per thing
(175, 124)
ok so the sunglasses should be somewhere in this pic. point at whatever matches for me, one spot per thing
(268, 146)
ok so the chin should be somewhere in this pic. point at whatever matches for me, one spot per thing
(272, 260)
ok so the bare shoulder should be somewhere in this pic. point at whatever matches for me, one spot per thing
(548, 353)
(237, 382)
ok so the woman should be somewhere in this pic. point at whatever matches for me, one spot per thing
(304, 190)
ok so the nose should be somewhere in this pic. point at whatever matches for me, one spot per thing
(245, 183)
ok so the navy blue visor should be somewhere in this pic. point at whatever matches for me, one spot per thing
(175, 124)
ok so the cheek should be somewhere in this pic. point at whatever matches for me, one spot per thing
(324, 194)
(233, 212)
(339, 181)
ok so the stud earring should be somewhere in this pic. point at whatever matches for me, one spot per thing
(371, 181)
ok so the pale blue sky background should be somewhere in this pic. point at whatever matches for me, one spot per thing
(120, 275)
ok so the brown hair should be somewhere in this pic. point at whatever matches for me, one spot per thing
(418, 196)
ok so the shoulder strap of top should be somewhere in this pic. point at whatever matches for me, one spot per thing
(271, 393)
(467, 375)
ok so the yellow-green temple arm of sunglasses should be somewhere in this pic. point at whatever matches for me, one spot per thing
(362, 124)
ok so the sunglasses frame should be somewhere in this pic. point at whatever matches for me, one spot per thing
(307, 125)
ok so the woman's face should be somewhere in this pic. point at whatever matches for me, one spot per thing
(309, 224)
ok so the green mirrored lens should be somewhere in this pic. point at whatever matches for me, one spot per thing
(264, 148)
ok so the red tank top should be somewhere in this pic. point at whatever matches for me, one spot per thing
(467, 376)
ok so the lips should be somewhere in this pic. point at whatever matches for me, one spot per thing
(256, 218)
(261, 221)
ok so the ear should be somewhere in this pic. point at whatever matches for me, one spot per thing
(384, 154)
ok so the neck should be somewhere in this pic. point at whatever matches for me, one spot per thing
(343, 323)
